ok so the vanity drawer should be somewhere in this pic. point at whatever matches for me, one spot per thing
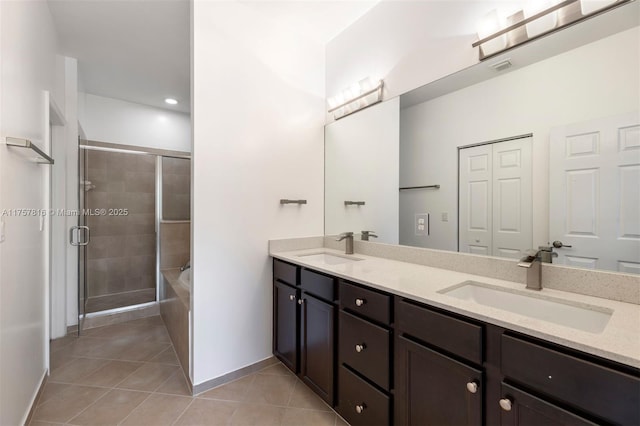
(371, 355)
(285, 272)
(365, 302)
(607, 393)
(318, 284)
(451, 334)
(357, 395)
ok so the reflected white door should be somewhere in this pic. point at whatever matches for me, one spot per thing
(495, 198)
(475, 223)
(595, 193)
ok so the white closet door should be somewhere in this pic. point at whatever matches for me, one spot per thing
(595, 193)
(512, 210)
(475, 222)
(495, 199)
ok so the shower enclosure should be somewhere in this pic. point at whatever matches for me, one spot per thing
(120, 197)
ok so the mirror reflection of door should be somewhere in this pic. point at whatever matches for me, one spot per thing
(495, 198)
(595, 193)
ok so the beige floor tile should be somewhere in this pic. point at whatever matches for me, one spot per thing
(303, 397)
(148, 377)
(176, 385)
(40, 423)
(111, 408)
(59, 359)
(168, 356)
(302, 417)
(207, 412)
(158, 410)
(156, 334)
(110, 374)
(90, 347)
(58, 344)
(67, 403)
(277, 369)
(51, 389)
(79, 368)
(249, 414)
(154, 320)
(141, 351)
(233, 391)
(270, 389)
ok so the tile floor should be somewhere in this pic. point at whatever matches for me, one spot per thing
(128, 374)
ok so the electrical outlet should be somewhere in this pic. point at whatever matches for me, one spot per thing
(2, 234)
(421, 224)
(445, 217)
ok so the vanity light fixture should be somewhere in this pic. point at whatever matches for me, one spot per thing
(356, 97)
(499, 31)
(171, 101)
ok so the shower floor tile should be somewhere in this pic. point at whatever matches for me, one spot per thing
(119, 300)
(128, 374)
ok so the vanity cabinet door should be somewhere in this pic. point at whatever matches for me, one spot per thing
(519, 408)
(317, 346)
(433, 389)
(285, 324)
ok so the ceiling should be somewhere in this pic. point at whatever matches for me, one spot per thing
(139, 50)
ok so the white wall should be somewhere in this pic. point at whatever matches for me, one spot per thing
(258, 137)
(28, 46)
(361, 164)
(115, 121)
(406, 43)
(596, 80)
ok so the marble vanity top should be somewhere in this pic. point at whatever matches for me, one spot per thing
(619, 340)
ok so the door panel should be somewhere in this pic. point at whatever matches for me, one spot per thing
(495, 198)
(595, 193)
(285, 339)
(317, 346)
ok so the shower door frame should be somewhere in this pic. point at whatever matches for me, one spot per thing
(84, 146)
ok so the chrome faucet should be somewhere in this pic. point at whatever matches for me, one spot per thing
(348, 236)
(533, 262)
(365, 235)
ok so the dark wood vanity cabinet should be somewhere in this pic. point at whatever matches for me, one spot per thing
(381, 359)
(304, 325)
(438, 372)
(364, 355)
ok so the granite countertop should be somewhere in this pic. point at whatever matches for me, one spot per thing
(619, 341)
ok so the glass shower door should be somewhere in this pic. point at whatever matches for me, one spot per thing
(117, 269)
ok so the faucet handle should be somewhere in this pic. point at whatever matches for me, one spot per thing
(344, 235)
(369, 233)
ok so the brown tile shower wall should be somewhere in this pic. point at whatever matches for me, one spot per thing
(176, 188)
(175, 244)
(122, 251)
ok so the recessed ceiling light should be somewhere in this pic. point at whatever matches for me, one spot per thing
(171, 101)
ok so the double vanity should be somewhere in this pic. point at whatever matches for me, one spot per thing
(390, 342)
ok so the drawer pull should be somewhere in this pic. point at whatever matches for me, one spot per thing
(360, 302)
(505, 404)
(300, 301)
(472, 387)
(360, 408)
(360, 347)
(292, 297)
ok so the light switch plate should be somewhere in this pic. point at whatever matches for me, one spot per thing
(2, 228)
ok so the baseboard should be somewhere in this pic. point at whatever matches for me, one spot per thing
(234, 375)
(36, 397)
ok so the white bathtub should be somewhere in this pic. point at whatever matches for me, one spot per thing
(185, 279)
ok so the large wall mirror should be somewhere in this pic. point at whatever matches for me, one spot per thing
(497, 162)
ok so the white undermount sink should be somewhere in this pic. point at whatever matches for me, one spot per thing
(592, 319)
(328, 259)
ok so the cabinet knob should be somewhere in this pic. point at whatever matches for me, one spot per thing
(360, 302)
(360, 347)
(505, 404)
(300, 301)
(292, 297)
(360, 408)
(472, 387)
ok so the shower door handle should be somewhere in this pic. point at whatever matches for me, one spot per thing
(75, 231)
